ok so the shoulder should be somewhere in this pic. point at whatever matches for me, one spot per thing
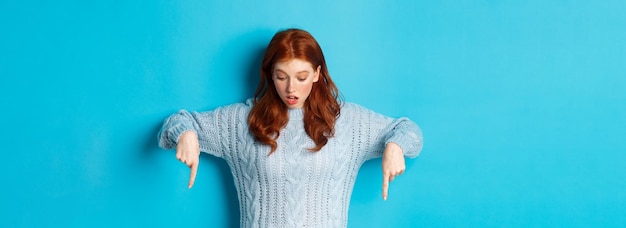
(241, 108)
(353, 108)
(240, 105)
(352, 113)
(357, 112)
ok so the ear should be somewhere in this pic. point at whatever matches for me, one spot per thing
(316, 75)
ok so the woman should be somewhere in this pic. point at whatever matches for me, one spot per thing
(295, 149)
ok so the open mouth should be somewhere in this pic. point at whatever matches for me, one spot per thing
(292, 100)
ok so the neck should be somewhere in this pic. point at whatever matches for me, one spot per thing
(296, 113)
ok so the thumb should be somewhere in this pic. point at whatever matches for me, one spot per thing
(192, 177)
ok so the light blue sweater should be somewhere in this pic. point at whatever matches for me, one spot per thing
(293, 187)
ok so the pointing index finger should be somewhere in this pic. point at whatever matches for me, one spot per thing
(385, 186)
(192, 177)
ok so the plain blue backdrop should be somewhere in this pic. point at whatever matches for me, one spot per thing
(522, 105)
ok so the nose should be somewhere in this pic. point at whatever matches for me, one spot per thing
(290, 86)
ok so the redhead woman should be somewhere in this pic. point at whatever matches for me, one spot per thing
(295, 148)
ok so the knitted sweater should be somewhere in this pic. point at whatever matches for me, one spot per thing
(293, 187)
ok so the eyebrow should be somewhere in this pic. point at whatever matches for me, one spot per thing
(299, 72)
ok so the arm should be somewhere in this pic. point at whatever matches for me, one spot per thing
(212, 129)
(180, 131)
(375, 131)
(179, 123)
(405, 139)
(395, 138)
(406, 134)
(211, 132)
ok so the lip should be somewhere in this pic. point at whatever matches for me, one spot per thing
(291, 100)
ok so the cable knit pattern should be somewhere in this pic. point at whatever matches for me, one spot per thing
(293, 187)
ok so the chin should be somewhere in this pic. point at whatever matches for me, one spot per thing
(294, 106)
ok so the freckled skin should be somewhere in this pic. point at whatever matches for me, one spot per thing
(294, 80)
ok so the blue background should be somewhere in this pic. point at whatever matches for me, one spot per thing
(522, 104)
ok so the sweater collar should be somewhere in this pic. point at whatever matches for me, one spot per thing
(296, 113)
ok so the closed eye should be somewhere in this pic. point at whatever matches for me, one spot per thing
(302, 76)
(279, 76)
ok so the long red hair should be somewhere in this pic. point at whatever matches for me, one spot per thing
(269, 114)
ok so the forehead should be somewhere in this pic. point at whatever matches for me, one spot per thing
(293, 66)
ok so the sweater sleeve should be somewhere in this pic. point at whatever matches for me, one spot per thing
(377, 130)
(216, 129)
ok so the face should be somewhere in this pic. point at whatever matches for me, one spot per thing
(294, 80)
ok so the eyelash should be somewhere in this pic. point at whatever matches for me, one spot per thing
(283, 78)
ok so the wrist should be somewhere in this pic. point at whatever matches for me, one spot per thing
(187, 135)
(393, 147)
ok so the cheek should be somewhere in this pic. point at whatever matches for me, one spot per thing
(308, 87)
(278, 86)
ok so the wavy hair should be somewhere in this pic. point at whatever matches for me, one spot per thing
(322, 108)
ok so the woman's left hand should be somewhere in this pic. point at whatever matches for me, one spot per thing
(393, 165)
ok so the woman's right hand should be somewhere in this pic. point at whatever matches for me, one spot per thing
(188, 152)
